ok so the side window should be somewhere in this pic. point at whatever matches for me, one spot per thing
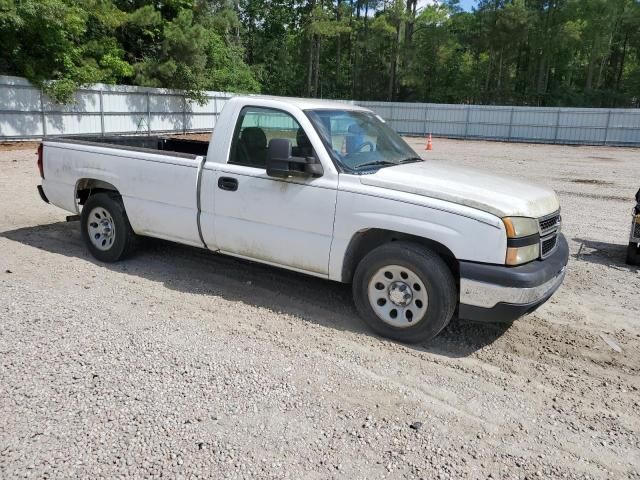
(256, 127)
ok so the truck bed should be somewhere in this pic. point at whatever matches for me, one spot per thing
(182, 147)
(155, 176)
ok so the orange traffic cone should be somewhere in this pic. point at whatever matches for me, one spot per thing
(429, 145)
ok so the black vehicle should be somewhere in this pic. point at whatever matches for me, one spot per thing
(633, 250)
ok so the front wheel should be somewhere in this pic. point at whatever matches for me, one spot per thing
(105, 227)
(404, 291)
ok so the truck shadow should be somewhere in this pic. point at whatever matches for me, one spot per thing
(196, 271)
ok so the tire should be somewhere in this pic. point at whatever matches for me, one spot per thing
(106, 229)
(633, 254)
(432, 291)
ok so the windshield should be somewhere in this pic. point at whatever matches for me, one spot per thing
(360, 140)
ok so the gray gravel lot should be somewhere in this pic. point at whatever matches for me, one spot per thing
(185, 364)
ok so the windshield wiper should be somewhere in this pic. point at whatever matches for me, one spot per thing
(375, 163)
(389, 162)
(411, 159)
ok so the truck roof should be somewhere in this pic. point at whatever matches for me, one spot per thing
(304, 103)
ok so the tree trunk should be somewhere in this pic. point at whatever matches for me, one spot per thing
(338, 64)
(622, 59)
(499, 86)
(351, 52)
(316, 67)
(605, 59)
(411, 15)
(590, 69)
(338, 61)
(518, 77)
(487, 79)
(394, 65)
(310, 66)
(542, 73)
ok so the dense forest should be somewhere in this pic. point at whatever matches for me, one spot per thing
(527, 52)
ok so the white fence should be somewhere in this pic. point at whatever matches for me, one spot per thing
(102, 110)
(105, 109)
(588, 126)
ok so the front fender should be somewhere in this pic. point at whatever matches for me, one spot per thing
(467, 238)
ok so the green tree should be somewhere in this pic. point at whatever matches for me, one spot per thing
(531, 52)
(60, 45)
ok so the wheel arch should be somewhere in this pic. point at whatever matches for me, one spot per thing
(365, 241)
(85, 187)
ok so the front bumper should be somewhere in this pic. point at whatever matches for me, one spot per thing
(497, 293)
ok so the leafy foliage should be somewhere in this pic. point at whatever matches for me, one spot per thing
(62, 44)
(532, 52)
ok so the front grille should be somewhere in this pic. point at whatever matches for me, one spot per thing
(548, 245)
(549, 230)
(548, 224)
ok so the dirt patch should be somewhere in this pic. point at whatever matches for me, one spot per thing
(595, 196)
(182, 363)
(589, 181)
(11, 146)
(604, 159)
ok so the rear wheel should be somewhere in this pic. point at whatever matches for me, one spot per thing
(633, 254)
(404, 291)
(105, 227)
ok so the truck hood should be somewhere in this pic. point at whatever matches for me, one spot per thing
(498, 195)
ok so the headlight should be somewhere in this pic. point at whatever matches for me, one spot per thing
(523, 240)
(520, 226)
(520, 255)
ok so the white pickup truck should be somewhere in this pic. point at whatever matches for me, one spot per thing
(326, 189)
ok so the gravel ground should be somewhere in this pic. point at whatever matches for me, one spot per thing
(185, 364)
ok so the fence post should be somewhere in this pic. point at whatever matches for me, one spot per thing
(101, 114)
(426, 117)
(43, 115)
(184, 114)
(466, 121)
(606, 130)
(510, 123)
(148, 113)
(215, 110)
(555, 133)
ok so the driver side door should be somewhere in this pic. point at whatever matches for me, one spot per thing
(282, 221)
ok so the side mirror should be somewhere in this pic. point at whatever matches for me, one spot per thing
(281, 164)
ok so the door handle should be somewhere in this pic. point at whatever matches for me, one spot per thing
(228, 183)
